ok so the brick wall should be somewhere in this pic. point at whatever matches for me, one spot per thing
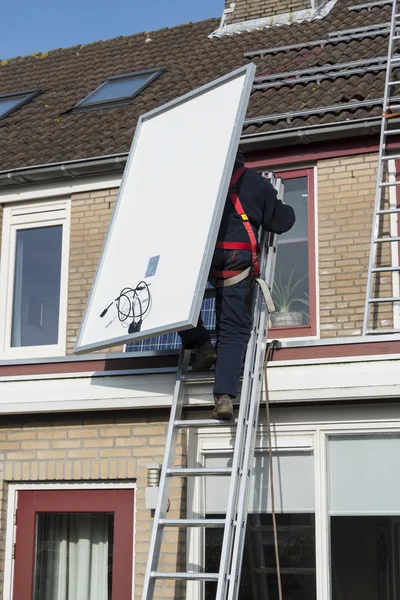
(90, 216)
(96, 448)
(346, 188)
(246, 10)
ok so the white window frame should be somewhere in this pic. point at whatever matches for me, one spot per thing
(25, 216)
(304, 428)
(11, 527)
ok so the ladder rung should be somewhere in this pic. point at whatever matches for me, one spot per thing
(385, 269)
(204, 423)
(390, 156)
(386, 239)
(394, 82)
(389, 299)
(192, 522)
(388, 211)
(389, 183)
(381, 331)
(186, 576)
(392, 131)
(199, 472)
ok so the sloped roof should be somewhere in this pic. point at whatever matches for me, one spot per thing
(45, 131)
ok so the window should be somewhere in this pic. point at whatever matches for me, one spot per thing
(10, 102)
(294, 498)
(118, 89)
(295, 279)
(74, 544)
(294, 290)
(34, 279)
(364, 516)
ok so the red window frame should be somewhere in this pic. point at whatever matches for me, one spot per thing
(31, 502)
(311, 329)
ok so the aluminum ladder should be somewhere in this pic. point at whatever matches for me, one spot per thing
(391, 108)
(234, 524)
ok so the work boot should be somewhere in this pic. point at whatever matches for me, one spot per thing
(223, 408)
(205, 357)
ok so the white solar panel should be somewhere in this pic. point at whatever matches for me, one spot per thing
(166, 219)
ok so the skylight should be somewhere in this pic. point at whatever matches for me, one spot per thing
(10, 102)
(118, 89)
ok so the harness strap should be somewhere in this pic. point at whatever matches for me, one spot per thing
(218, 282)
(237, 205)
(234, 245)
(252, 245)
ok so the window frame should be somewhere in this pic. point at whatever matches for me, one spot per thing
(104, 496)
(27, 96)
(25, 216)
(311, 329)
(85, 104)
(290, 431)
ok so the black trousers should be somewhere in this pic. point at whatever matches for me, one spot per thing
(233, 324)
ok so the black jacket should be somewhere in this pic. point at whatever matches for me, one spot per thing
(259, 200)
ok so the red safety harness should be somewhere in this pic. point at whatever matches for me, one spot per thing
(252, 245)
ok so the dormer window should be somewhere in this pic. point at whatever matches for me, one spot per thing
(10, 102)
(117, 90)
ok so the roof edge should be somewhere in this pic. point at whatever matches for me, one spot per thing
(114, 163)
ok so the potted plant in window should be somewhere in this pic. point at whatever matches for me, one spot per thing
(286, 295)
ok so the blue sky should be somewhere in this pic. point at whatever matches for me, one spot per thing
(27, 26)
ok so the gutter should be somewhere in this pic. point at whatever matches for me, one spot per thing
(98, 165)
(307, 135)
(115, 163)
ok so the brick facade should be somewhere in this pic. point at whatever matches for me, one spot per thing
(247, 10)
(90, 216)
(345, 197)
(346, 188)
(96, 448)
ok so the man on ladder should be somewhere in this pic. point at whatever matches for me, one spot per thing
(252, 203)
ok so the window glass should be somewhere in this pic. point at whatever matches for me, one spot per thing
(73, 557)
(364, 516)
(37, 275)
(7, 104)
(116, 89)
(294, 505)
(296, 543)
(291, 288)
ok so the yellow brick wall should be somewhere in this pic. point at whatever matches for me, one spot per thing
(96, 448)
(90, 216)
(346, 189)
(246, 10)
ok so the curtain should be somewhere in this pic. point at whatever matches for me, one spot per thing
(72, 556)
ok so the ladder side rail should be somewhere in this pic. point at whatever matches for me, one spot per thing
(379, 173)
(270, 242)
(165, 481)
(233, 531)
(245, 486)
(237, 461)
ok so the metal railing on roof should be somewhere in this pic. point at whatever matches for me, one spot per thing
(306, 112)
(317, 74)
(369, 5)
(333, 38)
